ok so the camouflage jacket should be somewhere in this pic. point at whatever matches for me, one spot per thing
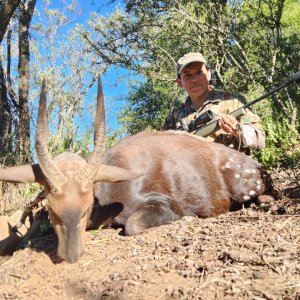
(220, 103)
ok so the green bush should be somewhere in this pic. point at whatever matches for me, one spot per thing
(280, 137)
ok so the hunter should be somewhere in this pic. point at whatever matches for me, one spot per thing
(194, 76)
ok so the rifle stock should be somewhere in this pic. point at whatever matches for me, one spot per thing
(213, 126)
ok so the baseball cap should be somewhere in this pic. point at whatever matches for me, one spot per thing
(188, 59)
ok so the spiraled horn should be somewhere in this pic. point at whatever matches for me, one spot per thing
(53, 176)
(89, 172)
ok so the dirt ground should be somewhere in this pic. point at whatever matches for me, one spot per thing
(253, 253)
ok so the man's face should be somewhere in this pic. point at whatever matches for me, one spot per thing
(194, 78)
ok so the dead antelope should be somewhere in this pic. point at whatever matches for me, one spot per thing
(183, 175)
(68, 180)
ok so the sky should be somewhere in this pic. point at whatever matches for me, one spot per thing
(114, 90)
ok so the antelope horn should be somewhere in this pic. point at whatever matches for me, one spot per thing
(22, 174)
(89, 172)
(115, 174)
(52, 174)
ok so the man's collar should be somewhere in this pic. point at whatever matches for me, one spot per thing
(211, 98)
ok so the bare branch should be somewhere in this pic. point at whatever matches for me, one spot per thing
(7, 10)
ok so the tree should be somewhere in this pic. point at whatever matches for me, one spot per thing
(25, 17)
(58, 50)
(5, 115)
(7, 9)
(17, 103)
(144, 109)
(56, 54)
(252, 45)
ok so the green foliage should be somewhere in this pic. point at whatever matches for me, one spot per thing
(253, 45)
(69, 142)
(9, 155)
(280, 136)
(292, 158)
(30, 189)
(114, 137)
(144, 111)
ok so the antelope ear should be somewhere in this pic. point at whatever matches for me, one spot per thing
(22, 174)
(114, 174)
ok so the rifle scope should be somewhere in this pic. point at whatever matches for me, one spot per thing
(202, 119)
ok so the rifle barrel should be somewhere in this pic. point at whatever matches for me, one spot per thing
(295, 78)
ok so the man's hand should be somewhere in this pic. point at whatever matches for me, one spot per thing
(229, 124)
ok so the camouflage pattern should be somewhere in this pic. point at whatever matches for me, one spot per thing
(220, 103)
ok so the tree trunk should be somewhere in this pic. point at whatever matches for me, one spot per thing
(7, 9)
(26, 12)
(5, 117)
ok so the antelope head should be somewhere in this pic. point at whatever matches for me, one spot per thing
(68, 180)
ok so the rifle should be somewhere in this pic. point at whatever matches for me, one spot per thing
(206, 129)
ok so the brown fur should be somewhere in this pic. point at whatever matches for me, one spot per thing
(183, 175)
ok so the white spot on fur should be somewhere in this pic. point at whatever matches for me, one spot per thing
(231, 159)
(246, 197)
(247, 171)
(237, 175)
(227, 165)
(257, 182)
(238, 166)
(258, 187)
(251, 193)
(253, 171)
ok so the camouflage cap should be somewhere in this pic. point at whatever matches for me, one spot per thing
(188, 59)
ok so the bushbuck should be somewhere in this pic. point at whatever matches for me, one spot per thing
(145, 180)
